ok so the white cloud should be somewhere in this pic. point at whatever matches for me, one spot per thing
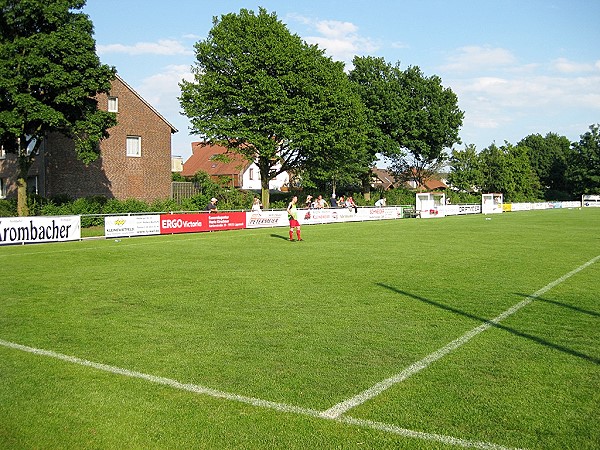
(564, 65)
(162, 89)
(524, 104)
(476, 58)
(162, 47)
(340, 40)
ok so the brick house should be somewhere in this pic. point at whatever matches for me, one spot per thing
(243, 174)
(134, 162)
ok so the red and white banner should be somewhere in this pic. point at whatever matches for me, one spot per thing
(197, 222)
(29, 230)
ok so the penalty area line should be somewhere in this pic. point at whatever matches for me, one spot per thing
(281, 407)
(370, 393)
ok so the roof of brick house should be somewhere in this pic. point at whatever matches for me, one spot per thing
(143, 100)
(434, 185)
(384, 179)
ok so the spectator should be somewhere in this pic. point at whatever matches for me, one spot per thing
(309, 203)
(256, 204)
(321, 203)
(350, 204)
(381, 202)
(333, 201)
(212, 206)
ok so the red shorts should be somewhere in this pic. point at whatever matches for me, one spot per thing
(294, 223)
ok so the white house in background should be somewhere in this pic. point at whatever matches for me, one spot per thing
(176, 164)
(243, 174)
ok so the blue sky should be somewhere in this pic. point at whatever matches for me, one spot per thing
(518, 66)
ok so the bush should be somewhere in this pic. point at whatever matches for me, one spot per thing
(8, 208)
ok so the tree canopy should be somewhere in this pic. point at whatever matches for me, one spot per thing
(584, 163)
(266, 94)
(49, 76)
(412, 117)
(549, 157)
(507, 169)
(466, 172)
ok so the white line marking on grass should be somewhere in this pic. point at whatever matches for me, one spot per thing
(282, 407)
(344, 406)
(124, 242)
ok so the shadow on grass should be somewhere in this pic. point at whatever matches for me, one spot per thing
(562, 305)
(535, 339)
(285, 238)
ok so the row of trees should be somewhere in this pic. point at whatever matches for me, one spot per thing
(538, 167)
(263, 92)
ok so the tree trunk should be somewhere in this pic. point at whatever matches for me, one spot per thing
(265, 168)
(25, 161)
(264, 185)
(22, 208)
(366, 185)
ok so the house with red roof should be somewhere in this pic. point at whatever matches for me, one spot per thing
(220, 162)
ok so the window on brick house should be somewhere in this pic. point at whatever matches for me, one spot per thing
(113, 104)
(134, 146)
(32, 185)
(3, 187)
(2, 153)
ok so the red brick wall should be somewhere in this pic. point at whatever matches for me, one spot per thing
(114, 174)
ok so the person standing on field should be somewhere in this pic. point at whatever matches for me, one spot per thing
(293, 217)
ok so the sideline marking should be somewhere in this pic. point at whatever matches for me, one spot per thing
(337, 410)
(282, 407)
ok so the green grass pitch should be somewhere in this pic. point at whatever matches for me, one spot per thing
(241, 339)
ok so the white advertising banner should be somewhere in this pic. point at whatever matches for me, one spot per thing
(590, 200)
(457, 210)
(29, 230)
(122, 226)
(266, 219)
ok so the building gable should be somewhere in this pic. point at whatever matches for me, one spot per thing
(134, 162)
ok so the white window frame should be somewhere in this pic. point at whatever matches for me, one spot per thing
(113, 104)
(251, 173)
(134, 146)
(3, 187)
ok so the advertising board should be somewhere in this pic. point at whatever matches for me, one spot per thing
(121, 226)
(197, 222)
(29, 230)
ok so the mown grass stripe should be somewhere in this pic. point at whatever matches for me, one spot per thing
(281, 407)
(346, 405)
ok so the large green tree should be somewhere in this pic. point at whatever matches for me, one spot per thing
(548, 156)
(49, 76)
(429, 125)
(266, 94)
(466, 173)
(377, 83)
(507, 169)
(412, 117)
(583, 173)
